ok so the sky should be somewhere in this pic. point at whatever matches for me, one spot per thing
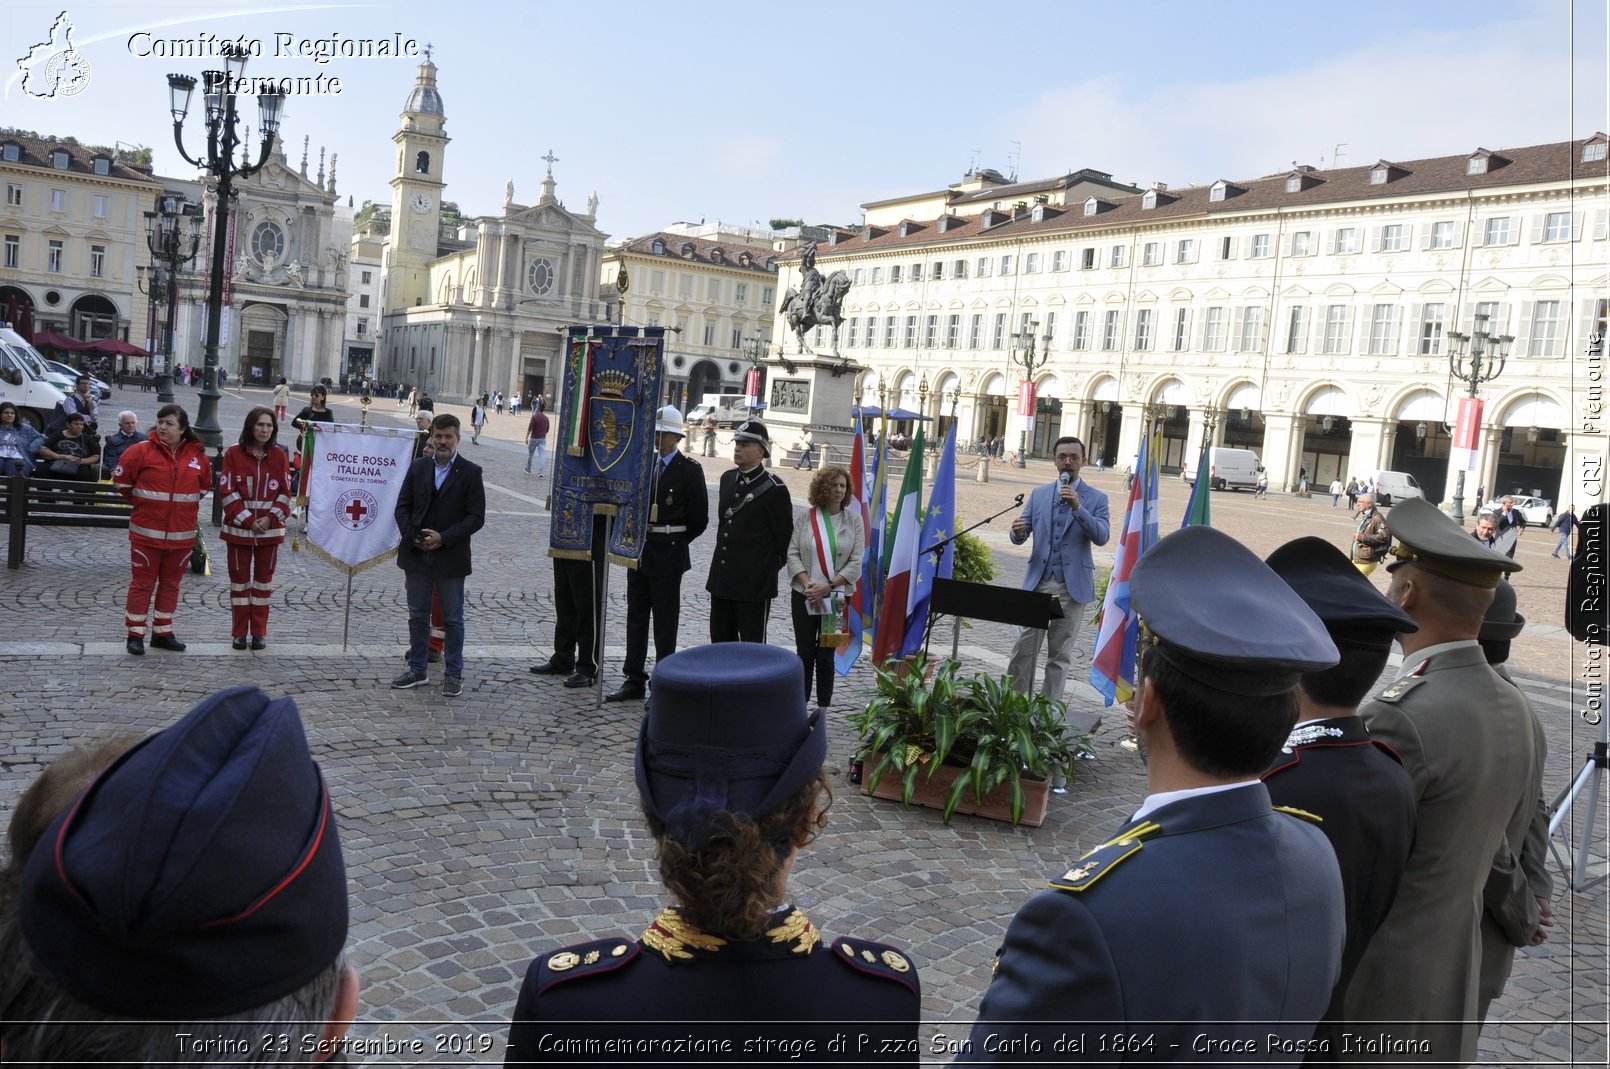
(742, 112)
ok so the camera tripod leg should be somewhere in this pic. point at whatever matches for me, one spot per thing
(1574, 862)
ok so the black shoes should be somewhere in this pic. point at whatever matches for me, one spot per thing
(259, 642)
(628, 692)
(408, 680)
(548, 668)
(136, 645)
(579, 680)
(239, 642)
(167, 642)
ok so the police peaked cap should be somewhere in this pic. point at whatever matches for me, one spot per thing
(1355, 613)
(1221, 616)
(199, 875)
(726, 729)
(752, 430)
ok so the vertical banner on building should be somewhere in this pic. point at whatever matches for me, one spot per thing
(752, 388)
(1467, 433)
(611, 381)
(1026, 398)
(229, 280)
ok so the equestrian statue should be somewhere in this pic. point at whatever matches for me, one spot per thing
(817, 302)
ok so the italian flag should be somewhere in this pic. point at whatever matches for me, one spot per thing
(581, 350)
(905, 529)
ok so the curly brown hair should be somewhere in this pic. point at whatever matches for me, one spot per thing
(820, 483)
(730, 886)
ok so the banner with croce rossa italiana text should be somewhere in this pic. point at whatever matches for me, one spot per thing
(351, 481)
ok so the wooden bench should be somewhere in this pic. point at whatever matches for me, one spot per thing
(35, 502)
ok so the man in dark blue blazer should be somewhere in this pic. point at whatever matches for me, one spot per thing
(1065, 518)
(1209, 928)
(442, 504)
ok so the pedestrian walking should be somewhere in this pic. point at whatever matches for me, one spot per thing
(282, 400)
(536, 440)
(1565, 523)
(1335, 492)
(477, 420)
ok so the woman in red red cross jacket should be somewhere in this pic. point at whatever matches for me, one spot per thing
(256, 503)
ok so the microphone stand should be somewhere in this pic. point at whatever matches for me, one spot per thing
(938, 550)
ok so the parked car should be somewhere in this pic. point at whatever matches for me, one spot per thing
(1537, 510)
(59, 369)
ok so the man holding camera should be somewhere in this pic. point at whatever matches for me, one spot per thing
(442, 504)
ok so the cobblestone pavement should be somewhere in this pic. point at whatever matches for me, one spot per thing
(479, 831)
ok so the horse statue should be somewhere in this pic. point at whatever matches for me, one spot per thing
(817, 306)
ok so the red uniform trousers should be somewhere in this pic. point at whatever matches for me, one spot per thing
(160, 569)
(251, 586)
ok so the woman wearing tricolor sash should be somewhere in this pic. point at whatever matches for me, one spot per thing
(825, 563)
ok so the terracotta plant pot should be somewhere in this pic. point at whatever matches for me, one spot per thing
(930, 792)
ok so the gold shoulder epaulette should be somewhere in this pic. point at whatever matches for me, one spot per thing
(1394, 694)
(876, 959)
(1301, 814)
(586, 959)
(1100, 861)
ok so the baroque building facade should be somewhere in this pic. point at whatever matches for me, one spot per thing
(72, 233)
(474, 305)
(713, 287)
(286, 276)
(1305, 315)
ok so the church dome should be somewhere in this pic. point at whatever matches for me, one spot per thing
(425, 99)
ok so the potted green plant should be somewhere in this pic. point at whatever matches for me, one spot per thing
(972, 746)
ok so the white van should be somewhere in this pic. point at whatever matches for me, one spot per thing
(729, 409)
(1394, 486)
(24, 380)
(1228, 468)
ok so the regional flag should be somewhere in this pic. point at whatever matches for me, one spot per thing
(581, 351)
(900, 560)
(1112, 669)
(938, 525)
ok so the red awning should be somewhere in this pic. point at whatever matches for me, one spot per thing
(45, 339)
(113, 346)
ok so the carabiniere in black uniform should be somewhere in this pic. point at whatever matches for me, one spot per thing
(757, 523)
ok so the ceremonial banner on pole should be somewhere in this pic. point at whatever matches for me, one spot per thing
(611, 383)
(351, 489)
(939, 524)
(1467, 433)
(1112, 668)
(856, 606)
(900, 560)
(1197, 510)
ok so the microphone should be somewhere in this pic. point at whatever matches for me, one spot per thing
(1063, 480)
(1018, 500)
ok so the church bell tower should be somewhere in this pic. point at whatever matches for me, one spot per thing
(416, 193)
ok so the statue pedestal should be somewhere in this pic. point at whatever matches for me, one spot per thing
(812, 393)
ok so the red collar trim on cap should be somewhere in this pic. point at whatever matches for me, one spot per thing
(290, 877)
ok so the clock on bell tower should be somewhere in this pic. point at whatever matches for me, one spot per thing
(416, 192)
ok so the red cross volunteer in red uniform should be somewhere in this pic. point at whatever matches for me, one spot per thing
(257, 502)
(165, 478)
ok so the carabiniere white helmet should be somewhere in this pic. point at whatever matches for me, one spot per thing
(669, 420)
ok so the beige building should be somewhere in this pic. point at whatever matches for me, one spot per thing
(714, 287)
(1306, 315)
(364, 288)
(477, 304)
(72, 232)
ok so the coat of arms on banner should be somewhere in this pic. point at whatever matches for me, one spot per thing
(605, 464)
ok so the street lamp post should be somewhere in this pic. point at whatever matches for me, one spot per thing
(1487, 355)
(171, 248)
(219, 90)
(1025, 353)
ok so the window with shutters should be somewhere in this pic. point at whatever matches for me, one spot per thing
(953, 331)
(1050, 332)
(1346, 240)
(937, 270)
(911, 332)
(97, 261)
(1430, 329)
(1109, 330)
(1087, 259)
(894, 273)
(889, 327)
(13, 250)
(1185, 251)
(1081, 331)
(1260, 246)
(1486, 317)
(1442, 234)
(871, 332)
(975, 331)
(849, 337)
(982, 267)
(1251, 330)
(1120, 256)
(1006, 265)
(1143, 329)
(1182, 328)
(1151, 254)
(58, 200)
(1226, 248)
(1296, 330)
(1497, 232)
(1557, 226)
(1031, 263)
(1059, 260)
(738, 338)
(1336, 328)
(860, 275)
(1547, 319)
(997, 338)
(930, 332)
(877, 276)
(53, 255)
(958, 269)
(1383, 332)
(1393, 238)
(1302, 243)
(1213, 330)
(916, 272)
(740, 293)
(709, 334)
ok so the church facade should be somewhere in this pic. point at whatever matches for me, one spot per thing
(477, 305)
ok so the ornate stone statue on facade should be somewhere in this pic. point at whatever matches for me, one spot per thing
(592, 203)
(817, 302)
(245, 267)
(293, 272)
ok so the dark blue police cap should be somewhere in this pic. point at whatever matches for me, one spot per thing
(726, 729)
(199, 875)
(1216, 612)
(1347, 604)
(1430, 540)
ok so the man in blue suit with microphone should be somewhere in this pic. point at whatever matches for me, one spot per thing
(1066, 518)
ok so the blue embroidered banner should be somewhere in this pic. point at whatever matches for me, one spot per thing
(605, 457)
